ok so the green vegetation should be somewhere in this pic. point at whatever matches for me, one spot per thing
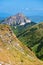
(32, 37)
(12, 51)
(21, 29)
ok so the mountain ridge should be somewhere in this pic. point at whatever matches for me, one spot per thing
(18, 19)
(12, 52)
(31, 37)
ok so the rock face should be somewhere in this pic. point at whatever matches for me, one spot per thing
(12, 52)
(18, 19)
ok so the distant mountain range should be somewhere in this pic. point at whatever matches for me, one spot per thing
(1, 18)
(18, 19)
(36, 18)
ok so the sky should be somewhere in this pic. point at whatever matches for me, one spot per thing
(27, 7)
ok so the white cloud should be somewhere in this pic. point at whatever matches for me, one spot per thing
(27, 9)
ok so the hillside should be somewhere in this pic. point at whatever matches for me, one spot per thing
(32, 37)
(12, 52)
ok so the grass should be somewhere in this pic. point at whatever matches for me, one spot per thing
(11, 53)
(31, 36)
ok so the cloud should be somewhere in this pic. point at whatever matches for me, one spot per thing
(27, 9)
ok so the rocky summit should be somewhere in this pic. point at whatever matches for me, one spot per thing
(18, 19)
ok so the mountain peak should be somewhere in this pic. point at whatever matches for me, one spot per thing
(18, 19)
(20, 14)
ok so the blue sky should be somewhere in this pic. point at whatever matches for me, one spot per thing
(27, 7)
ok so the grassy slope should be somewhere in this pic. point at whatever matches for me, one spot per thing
(12, 52)
(20, 29)
(32, 37)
